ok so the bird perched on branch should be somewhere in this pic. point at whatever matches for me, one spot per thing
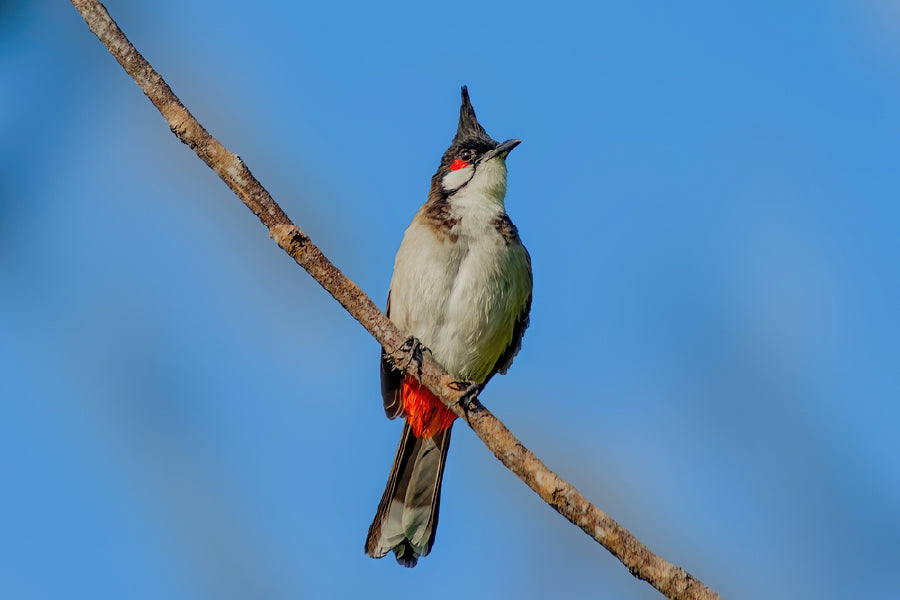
(462, 287)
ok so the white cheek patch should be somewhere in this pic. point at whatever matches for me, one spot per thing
(456, 179)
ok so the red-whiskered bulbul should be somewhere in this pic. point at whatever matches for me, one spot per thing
(462, 288)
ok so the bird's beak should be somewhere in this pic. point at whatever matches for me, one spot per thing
(502, 150)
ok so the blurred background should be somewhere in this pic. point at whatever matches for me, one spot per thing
(710, 197)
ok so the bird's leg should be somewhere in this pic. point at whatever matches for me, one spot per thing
(414, 350)
(470, 391)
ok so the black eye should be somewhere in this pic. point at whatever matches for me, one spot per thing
(467, 155)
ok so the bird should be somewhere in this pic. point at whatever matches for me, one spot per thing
(461, 289)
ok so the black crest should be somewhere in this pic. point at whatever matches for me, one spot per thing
(470, 130)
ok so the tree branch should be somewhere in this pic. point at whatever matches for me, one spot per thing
(672, 581)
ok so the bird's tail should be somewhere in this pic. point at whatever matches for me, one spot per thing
(407, 516)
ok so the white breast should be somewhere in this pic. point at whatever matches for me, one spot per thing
(461, 294)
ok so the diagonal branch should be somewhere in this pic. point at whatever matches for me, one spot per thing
(672, 581)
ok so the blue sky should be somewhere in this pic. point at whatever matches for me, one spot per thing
(710, 197)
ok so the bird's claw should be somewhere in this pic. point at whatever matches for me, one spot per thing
(469, 389)
(414, 350)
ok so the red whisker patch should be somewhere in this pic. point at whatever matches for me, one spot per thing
(458, 164)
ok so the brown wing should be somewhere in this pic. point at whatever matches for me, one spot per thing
(505, 227)
(390, 380)
(515, 343)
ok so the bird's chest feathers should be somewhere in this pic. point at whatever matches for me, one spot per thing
(438, 265)
(447, 286)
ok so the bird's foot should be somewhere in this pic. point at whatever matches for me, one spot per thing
(414, 350)
(470, 391)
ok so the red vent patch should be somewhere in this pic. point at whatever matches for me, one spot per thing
(425, 412)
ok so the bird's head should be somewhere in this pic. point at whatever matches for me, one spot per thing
(474, 161)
